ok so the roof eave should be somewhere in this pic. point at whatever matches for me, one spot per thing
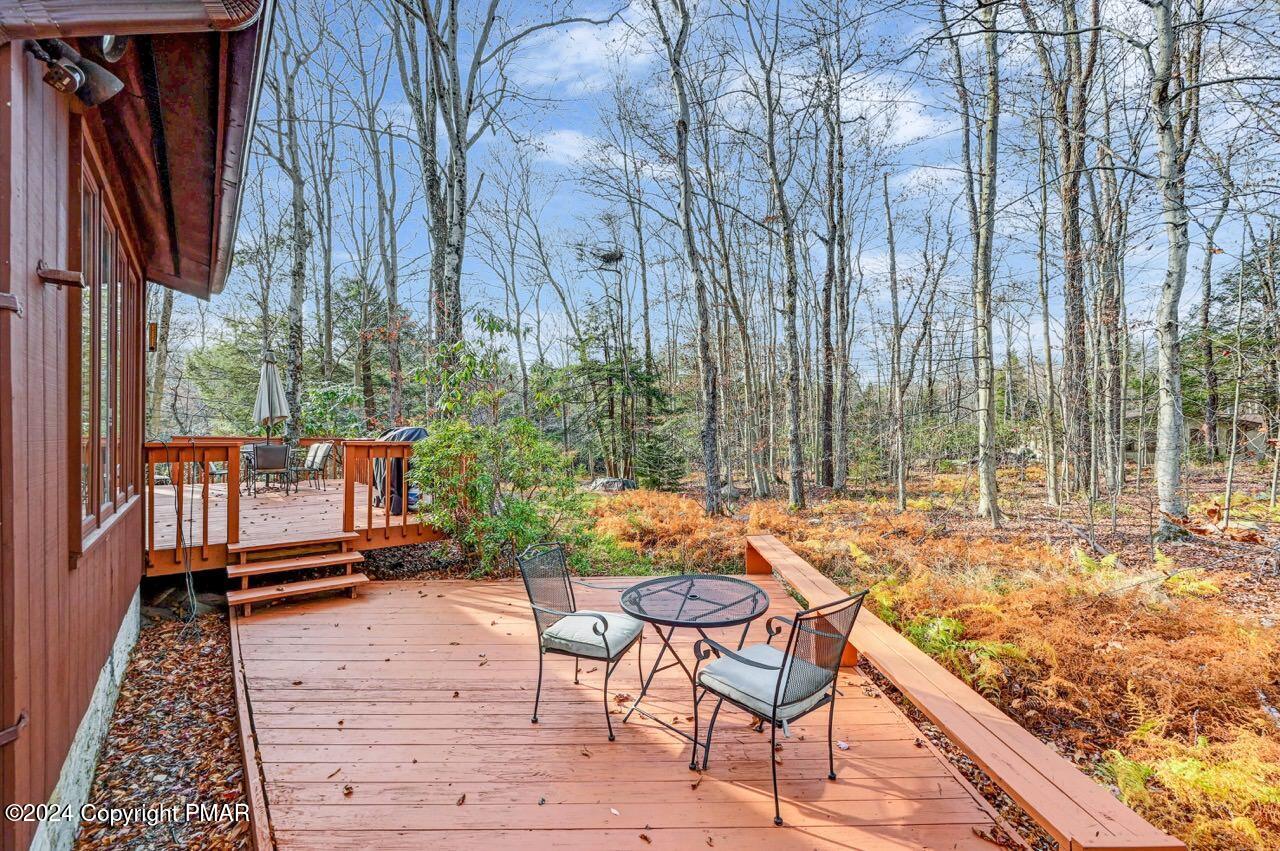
(22, 19)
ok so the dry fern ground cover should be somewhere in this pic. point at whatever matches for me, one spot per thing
(1154, 670)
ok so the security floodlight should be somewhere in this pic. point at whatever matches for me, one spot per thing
(70, 72)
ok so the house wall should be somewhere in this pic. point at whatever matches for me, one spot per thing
(60, 614)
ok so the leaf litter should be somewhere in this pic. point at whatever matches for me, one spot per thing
(173, 740)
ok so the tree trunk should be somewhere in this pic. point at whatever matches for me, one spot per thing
(988, 505)
(1170, 183)
(675, 47)
(160, 363)
(897, 391)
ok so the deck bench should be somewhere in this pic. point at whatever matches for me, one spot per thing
(1076, 811)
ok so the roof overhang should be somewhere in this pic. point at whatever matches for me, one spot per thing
(178, 137)
(63, 19)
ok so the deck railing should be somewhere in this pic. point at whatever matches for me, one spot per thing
(359, 458)
(189, 461)
(192, 458)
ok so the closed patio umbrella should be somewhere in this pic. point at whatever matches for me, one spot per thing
(270, 407)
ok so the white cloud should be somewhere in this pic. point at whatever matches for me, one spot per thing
(581, 58)
(564, 145)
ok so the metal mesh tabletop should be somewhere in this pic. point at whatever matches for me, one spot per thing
(704, 601)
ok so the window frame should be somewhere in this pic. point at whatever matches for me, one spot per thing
(107, 258)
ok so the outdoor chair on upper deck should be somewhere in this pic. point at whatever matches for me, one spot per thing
(779, 686)
(312, 468)
(568, 631)
(270, 459)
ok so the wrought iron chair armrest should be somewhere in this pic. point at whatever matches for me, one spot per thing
(713, 646)
(599, 628)
(775, 630)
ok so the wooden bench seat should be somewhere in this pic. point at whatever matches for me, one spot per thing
(1079, 813)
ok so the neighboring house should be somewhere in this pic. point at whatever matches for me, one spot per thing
(1251, 430)
(134, 176)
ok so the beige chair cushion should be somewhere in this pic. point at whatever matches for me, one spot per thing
(754, 687)
(576, 634)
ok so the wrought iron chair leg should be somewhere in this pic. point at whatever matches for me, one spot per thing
(706, 748)
(773, 766)
(608, 669)
(693, 757)
(575, 670)
(537, 697)
(831, 720)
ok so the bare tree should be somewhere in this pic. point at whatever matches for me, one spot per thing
(284, 142)
(674, 35)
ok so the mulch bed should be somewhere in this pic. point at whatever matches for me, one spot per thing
(173, 740)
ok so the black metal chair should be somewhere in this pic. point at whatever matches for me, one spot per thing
(270, 459)
(568, 631)
(779, 686)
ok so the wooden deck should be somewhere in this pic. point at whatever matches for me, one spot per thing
(270, 517)
(219, 522)
(401, 720)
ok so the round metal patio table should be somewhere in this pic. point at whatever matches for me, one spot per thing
(693, 601)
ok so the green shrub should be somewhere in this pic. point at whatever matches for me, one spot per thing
(495, 488)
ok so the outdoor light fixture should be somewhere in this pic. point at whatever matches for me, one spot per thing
(71, 73)
(112, 47)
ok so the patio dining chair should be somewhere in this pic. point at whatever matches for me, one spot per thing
(270, 459)
(779, 686)
(313, 466)
(565, 629)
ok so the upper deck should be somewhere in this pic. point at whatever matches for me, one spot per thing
(199, 513)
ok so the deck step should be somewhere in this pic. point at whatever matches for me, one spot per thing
(257, 568)
(248, 596)
(333, 538)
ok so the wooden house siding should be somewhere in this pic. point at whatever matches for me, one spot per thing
(59, 615)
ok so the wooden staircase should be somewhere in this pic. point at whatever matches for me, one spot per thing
(329, 551)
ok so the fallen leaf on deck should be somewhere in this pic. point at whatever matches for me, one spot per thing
(462, 800)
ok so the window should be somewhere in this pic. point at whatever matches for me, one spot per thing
(108, 366)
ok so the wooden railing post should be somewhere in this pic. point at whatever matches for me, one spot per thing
(175, 476)
(202, 457)
(233, 494)
(348, 487)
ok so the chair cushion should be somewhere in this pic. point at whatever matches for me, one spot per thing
(576, 634)
(755, 687)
